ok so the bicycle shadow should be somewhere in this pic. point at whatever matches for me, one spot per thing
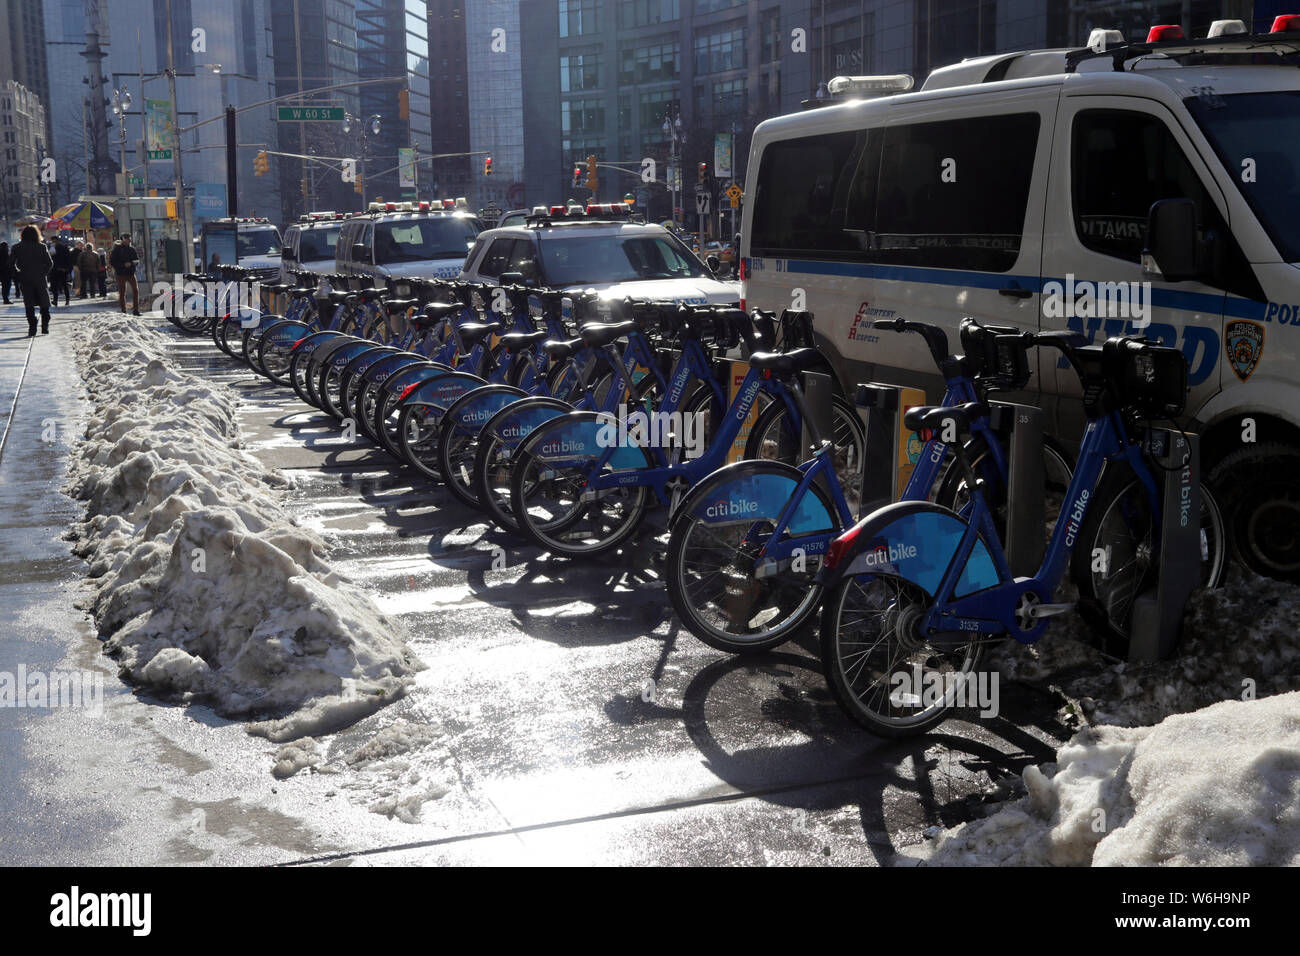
(901, 787)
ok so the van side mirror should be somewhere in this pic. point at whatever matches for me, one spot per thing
(1172, 245)
(359, 252)
(714, 264)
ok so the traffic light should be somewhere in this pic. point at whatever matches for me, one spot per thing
(358, 188)
(306, 187)
(577, 175)
(487, 165)
(591, 173)
(261, 164)
(702, 171)
(404, 104)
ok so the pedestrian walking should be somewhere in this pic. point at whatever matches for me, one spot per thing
(88, 270)
(61, 273)
(6, 277)
(123, 261)
(101, 273)
(32, 266)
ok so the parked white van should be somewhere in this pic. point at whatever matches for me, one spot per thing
(1144, 186)
(309, 244)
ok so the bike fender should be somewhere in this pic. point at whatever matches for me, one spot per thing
(587, 436)
(443, 388)
(284, 333)
(347, 352)
(515, 424)
(915, 541)
(747, 496)
(384, 366)
(471, 414)
(316, 339)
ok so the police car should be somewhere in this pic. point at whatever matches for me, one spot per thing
(1146, 186)
(601, 248)
(309, 244)
(251, 242)
(407, 240)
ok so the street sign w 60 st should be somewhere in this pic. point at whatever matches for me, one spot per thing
(309, 114)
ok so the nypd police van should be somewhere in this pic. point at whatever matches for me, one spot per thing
(1128, 186)
(407, 240)
(310, 243)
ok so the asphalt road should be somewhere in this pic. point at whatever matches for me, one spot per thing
(568, 718)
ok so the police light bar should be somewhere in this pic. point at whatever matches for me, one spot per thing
(1102, 40)
(461, 203)
(448, 203)
(1286, 23)
(375, 207)
(556, 210)
(1224, 28)
(541, 210)
(869, 85)
(1166, 31)
(422, 206)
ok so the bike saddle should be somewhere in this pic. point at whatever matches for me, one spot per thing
(560, 350)
(437, 311)
(337, 298)
(787, 363)
(400, 305)
(195, 277)
(471, 333)
(597, 334)
(521, 340)
(276, 287)
(935, 417)
(372, 295)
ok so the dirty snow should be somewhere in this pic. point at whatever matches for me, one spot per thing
(1217, 787)
(1192, 760)
(204, 588)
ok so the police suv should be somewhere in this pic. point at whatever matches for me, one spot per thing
(407, 239)
(1121, 187)
(309, 244)
(602, 248)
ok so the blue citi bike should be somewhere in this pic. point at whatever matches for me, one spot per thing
(916, 590)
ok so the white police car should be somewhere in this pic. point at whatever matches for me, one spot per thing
(599, 248)
(407, 240)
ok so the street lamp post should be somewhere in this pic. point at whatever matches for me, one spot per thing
(182, 212)
(122, 103)
(673, 130)
(372, 125)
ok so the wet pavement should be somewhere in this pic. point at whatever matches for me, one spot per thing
(563, 717)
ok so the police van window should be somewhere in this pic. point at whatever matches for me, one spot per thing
(1254, 135)
(801, 209)
(523, 258)
(1122, 162)
(497, 259)
(953, 194)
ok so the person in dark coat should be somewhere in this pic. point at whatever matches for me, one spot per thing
(61, 273)
(32, 266)
(123, 259)
(6, 277)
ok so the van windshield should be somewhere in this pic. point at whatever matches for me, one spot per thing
(259, 242)
(1255, 136)
(418, 240)
(318, 243)
(596, 260)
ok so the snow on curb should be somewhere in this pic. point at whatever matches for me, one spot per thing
(204, 587)
(1215, 787)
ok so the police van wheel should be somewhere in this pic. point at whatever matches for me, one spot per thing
(1261, 507)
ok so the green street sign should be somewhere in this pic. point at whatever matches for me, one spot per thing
(160, 154)
(309, 114)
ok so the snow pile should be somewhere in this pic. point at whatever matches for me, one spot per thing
(205, 589)
(1218, 787)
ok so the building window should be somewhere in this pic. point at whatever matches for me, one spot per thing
(656, 62)
(640, 13)
(728, 100)
(579, 71)
(578, 17)
(769, 32)
(721, 50)
(712, 6)
(582, 116)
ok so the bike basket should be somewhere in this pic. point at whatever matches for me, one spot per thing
(796, 331)
(1008, 371)
(1150, 380)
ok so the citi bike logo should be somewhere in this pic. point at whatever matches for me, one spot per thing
(482, 415)
(563, 445)
(209, 300)
(914, 689)
(1084, 299)
(725, 508)
(516, 431)
(747, 398)
(1076, 518)
(883, 554)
